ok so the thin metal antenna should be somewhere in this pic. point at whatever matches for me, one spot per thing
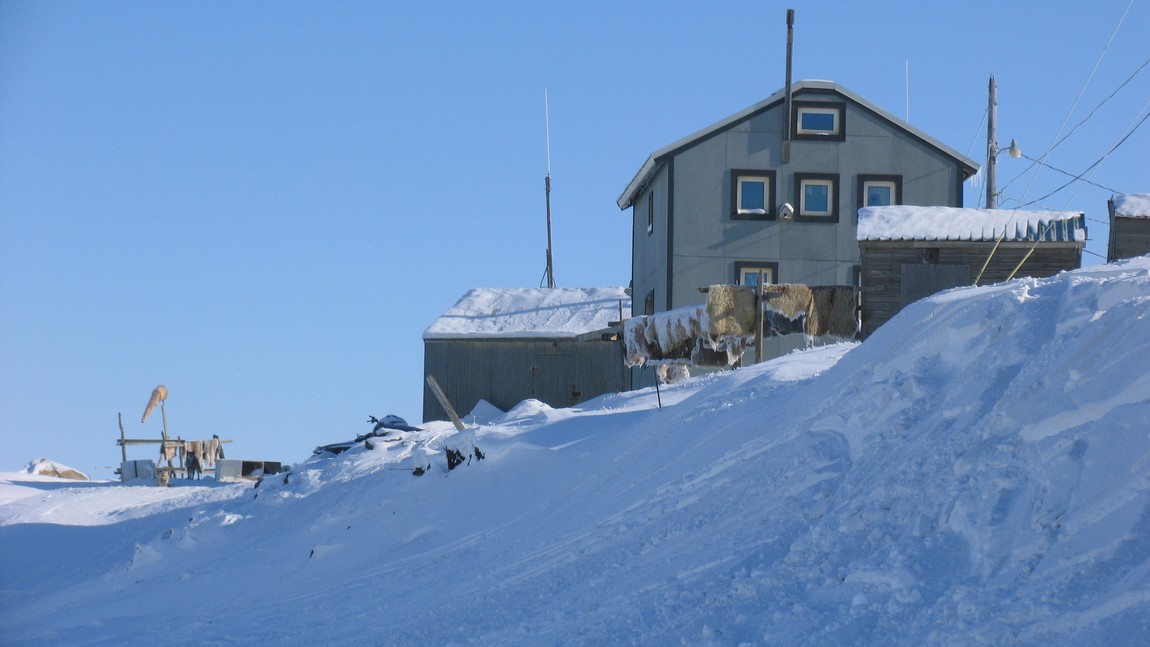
(908, 90)
(547, 185)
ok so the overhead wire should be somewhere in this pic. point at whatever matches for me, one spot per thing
(1076, 127)
(1098, 161)
(1082, 91)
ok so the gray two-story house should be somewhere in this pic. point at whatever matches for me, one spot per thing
(776, 188)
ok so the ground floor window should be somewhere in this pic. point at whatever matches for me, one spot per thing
(747, 272)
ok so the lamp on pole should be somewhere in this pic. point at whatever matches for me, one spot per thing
(992, 149)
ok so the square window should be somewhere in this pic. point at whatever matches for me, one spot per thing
(879, 194)
(751, 195)
(879, 190)
(819, 120)
(816, 198)
(817, 195)
(747, 272)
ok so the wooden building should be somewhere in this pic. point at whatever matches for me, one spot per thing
(557, 345)
(1129, 226)
(908, 253)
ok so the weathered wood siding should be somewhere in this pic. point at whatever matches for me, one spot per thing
(505, 372)
(883, 261)
(1129, 237)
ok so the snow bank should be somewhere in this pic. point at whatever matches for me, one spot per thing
(45, 467)
(976, 472)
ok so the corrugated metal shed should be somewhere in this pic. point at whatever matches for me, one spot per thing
(508, 345)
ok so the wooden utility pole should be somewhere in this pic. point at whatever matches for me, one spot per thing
(991, 144)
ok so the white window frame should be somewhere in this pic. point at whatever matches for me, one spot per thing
(811, 110)
(890, 185)
(831, 197)
(749, 270)
(836, 110)
(759, 179)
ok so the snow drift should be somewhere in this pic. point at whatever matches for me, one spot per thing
(977, 472)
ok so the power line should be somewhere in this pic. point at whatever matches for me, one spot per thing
(1080, 93)
(1092, 166)
(1076, 127)
(1068, 174)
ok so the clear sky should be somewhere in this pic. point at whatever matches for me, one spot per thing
(262, 205)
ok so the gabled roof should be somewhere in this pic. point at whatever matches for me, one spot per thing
(656, 159)
(527, 312)
(1131, 205)
(951, 223)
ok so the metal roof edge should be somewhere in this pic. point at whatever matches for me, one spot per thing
(651, 166)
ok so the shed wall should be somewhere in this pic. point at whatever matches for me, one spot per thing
(505, 372)
(882, 268)
(1129, 237)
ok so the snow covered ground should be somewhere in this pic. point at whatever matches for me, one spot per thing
(977, 472)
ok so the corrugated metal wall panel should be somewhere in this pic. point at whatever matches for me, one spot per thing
(506, 372)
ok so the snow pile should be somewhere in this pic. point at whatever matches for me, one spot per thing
(45, 467)
(976, 472)
(902, 222)
(519, 312)
(1132, 205)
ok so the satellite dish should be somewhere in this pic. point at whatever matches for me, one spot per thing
(159, 394)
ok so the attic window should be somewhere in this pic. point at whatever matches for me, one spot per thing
(752, 193)
(819, 120)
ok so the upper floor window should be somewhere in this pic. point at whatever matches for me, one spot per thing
(879, 190)
(819, 120)
(817, 194)
(752, 193)
(650, 212)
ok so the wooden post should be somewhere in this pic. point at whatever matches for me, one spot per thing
(442, 397)
(760, 297)
(123, 447)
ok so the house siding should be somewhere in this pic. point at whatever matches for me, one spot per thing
(707, 241)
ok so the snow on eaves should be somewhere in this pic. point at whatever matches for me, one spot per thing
(950, 223)
(530, 312)
(1132, 205)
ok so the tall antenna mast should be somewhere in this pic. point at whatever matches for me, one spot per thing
(547, 185)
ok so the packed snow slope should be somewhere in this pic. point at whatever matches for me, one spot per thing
(977, 472)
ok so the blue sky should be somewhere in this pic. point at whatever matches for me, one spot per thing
(263, 205)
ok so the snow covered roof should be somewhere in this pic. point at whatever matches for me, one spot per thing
(526, 312)
(647, 171)
(951, 223)
(1132, 205)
